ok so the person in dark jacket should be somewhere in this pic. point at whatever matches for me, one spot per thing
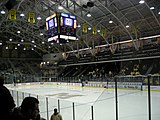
(29, 110)
(6, 101)
(56, 115)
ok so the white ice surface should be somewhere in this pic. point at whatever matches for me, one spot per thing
(132, 104)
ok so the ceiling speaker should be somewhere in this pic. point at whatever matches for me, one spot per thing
(90, 4)
(10, 4)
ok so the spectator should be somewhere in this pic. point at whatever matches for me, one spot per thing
(29, 110)
(56, 115)
(6, 101)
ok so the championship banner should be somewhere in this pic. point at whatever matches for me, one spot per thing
(94, 32)
(133, 29)
(31, 17)
(12, 14)
(103, 32)
(84, 28)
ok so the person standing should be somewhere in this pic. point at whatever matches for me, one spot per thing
(56, 115)
(6, 101)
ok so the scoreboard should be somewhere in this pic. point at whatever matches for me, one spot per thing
(61, 27)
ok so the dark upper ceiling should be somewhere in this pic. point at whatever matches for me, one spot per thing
(139, 17)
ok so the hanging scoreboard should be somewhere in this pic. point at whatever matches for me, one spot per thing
(61, 27)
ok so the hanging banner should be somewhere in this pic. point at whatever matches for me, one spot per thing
(31, 17)
(94, 32)
(103, 32)
(12, 14)
(133, 29)
(84, 28)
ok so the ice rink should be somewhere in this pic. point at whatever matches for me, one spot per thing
(132, 104)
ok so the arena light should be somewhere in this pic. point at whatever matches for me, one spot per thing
(18, 31)
(3, 12)
(89, 28)
(39, 18)
(22, 15)
(127, 26)
(41, 34)
(79, 26)
(141, 1)
(60, 7)
(89, 15)
(151, 8)
(110, 21)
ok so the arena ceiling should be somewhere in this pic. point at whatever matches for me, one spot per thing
(130, 20)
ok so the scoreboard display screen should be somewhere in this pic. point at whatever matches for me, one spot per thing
(68, 22)
(61, 26)
(51, 23)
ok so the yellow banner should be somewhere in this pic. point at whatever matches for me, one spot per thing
(134, 29)
(12, 14)
(31, 17)
(94, 32)
(103, 32)
(84, 28)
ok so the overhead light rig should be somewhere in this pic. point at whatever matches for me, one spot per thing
(89, 4)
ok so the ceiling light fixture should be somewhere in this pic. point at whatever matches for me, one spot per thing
(79, 26)
(89, 28)
(110, 21)
(159, 13)
(41, 34)
(18, 31)
(39, 18)
(151, 8)
(141, 1)
(60, 7)
(3, 12)
(89, 15)
(127, 26)
(22, 15)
